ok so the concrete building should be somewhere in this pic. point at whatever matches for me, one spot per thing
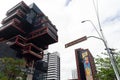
(28, 31)
(74, 74)
(6, 51)
(53, 60)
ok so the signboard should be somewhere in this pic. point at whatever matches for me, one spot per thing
(88, 72)
(75, 41)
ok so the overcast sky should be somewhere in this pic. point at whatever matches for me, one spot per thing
(67, 17)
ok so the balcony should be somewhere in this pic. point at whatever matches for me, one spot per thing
(42, 36)
(30, 50)
(21, 6)
(17, 14)
(11, 29)
(17, 43)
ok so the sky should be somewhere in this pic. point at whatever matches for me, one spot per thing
(67, 15)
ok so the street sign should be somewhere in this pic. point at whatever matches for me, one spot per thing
(75, 41)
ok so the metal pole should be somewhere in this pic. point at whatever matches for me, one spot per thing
(106, 46)
(93, 26)
(113, 53)
(105, 43)
(112, 61)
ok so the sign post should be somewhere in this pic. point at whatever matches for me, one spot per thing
(75, 41)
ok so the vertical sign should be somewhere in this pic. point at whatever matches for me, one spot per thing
(88, 72)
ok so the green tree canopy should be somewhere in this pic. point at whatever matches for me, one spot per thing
(10, 68)
(104, 68)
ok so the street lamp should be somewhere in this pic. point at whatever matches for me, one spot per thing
(101, 37)
(92, 25)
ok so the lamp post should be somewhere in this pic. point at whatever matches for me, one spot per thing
(93, 26)
(101, 37)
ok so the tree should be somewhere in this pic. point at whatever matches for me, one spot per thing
(104, 68)
(10, 68)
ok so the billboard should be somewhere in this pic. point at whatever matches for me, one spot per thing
(87, 67)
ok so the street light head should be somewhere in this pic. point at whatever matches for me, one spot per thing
(83, 21)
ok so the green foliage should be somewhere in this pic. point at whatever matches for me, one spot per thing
(11, 68)
(104, 68)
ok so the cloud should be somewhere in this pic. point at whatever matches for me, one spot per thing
(112, 18)
(67, 2)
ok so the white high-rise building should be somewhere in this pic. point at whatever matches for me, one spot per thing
(74, 74)
(53, 60)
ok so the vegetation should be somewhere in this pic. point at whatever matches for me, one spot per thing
(10, 69)
(104, 68)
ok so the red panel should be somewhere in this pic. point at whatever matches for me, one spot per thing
(14, 23)
(43, 35)
(20, 5)
(77, 63)
(17, 14)
(17, 42)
